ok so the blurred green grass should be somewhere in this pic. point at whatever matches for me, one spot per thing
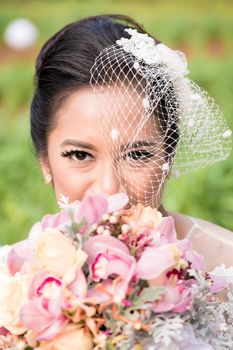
(202, 29)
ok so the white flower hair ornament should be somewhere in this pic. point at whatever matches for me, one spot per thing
(143, 47)
(151, 93)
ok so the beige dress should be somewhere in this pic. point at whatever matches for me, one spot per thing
(215, 243)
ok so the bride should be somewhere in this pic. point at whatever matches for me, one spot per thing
(114, 111)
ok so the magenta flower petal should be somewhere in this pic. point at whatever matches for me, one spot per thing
(38, 283)
(4, 331)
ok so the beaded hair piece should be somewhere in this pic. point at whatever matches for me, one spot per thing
(154, 120)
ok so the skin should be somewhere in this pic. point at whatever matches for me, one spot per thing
(93, 167)
(90, 118)
(97, 168)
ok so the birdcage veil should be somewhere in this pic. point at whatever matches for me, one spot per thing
(160, 122)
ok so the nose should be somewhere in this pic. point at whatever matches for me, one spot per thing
(106, 180)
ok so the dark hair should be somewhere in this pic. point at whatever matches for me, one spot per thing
(63, 66)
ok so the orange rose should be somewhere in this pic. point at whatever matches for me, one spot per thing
(71, 338)
(142, 216)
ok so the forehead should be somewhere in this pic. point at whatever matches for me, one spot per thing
(111, 111)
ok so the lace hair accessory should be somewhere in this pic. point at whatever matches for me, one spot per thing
(154, 120)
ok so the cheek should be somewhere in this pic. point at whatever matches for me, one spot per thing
(67, 180)
(144, 184)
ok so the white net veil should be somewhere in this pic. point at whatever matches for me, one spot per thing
(154, 121)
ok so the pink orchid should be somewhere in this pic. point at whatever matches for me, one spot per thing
(166, 228)
(218, 284)
(117, 202)
(93, 207)
(79, 285)
(23, 251)
(17, 257)
(90, 210)
(196, 260)
(107, 256)
(4, 331)
(20, 253)
(41, 281)
(153, 263)
(44, 318)
(43, 312)
(59, 221)
(107, 264)
(109, 291)
(176, 299)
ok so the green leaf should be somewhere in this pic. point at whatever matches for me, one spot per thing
(110, 346)
(131, 314)
(150, 294)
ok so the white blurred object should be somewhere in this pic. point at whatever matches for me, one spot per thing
(20, 34)
(4, 251)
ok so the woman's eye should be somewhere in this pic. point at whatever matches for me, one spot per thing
(76, 155)
(139, 155)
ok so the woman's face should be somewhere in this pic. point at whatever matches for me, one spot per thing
(93, 147)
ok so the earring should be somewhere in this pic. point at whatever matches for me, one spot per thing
(48, 178)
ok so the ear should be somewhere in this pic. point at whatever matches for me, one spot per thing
(45, 167)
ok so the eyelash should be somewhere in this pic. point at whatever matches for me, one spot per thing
(140, 155)
(73, 155)
(133, 155)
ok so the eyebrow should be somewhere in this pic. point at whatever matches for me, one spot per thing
(138, 144)
(87, 145)
(78, 143)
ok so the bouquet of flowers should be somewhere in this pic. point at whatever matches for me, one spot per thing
(98, 276)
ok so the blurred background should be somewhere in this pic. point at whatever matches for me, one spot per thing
(202, 29)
